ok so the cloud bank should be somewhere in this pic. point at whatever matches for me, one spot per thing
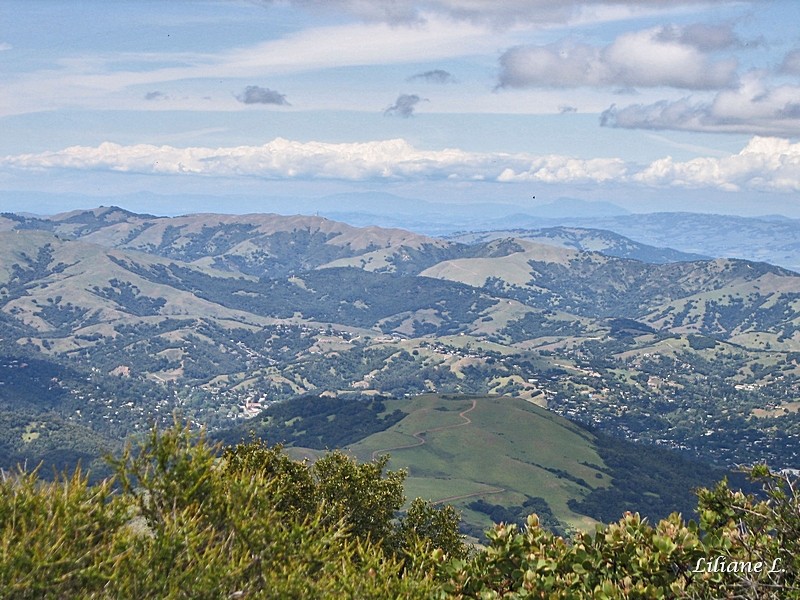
(753, 107)
(668, 56)
(766, 163)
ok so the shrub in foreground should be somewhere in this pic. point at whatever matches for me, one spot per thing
(743, 548)
(184, 519)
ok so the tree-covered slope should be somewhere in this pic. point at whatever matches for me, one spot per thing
(220, 316)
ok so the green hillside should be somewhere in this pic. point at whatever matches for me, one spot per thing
(458, 449)
(494, 458)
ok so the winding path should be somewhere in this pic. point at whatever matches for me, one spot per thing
(421, 441)
(472, 495)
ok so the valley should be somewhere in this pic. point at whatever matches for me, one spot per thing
(122, 319)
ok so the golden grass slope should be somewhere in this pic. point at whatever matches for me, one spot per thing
(513, 268)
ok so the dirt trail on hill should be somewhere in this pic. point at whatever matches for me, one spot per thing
(472, 495)
(421, 440)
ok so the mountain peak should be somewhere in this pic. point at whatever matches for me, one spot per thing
(573, 207)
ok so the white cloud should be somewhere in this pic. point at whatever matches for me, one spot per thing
(564, 169)
(280, 158)
(764, 164)
(752, 108)
(654, 58)
(660, 56)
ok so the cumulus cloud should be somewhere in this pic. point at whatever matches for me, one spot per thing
(563, 169)
(660, 56)
(404, 106)
(5, 46)
(434, 76)
(155, 95)
(284, 159)
(566, 109)
(766, 163)
(254, 94)
(752, 108)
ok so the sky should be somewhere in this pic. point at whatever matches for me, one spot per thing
(649, 104)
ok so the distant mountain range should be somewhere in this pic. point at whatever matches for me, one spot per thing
(438, 218)
(128, 317)
(587, 240)
(771, 238)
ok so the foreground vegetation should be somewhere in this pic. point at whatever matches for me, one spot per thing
(183, 518)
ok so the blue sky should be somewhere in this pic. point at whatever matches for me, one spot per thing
(651, 104)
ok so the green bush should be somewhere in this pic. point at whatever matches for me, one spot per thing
(632, 559)
(183, 519)
(186, 519)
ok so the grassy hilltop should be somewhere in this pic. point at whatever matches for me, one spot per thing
(494, 458)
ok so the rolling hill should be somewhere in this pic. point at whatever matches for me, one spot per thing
(772, 240)
(495, 458)
(587, 240)
(219, 316)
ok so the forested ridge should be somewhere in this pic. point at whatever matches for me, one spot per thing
(222, 315)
